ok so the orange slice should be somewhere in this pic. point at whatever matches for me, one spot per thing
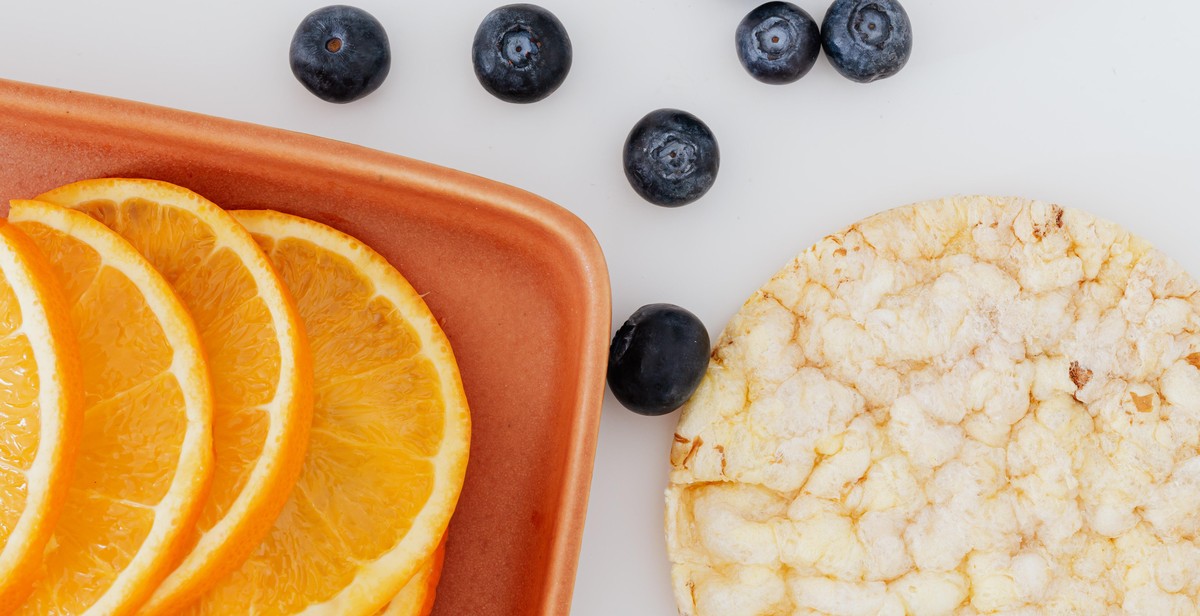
(417, 596)
(145, 456)
(389, 442)
(257, 356)
(41, 408)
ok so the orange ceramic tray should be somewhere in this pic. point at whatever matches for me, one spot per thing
(518, 283)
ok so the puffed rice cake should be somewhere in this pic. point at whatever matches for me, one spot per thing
(968, 406)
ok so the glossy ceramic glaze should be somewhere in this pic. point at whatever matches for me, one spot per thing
(518, 283)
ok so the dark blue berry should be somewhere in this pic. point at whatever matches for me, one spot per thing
(521, 53)
(671, 157)
(340, 53)
(867, 40)
(778, 42)
(657, 359)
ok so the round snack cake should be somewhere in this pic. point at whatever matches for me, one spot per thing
(968, 406)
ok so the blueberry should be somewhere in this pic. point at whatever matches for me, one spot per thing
(340, 53)
(778, 42)
(671, 157)
(657, 359)
(521, 53)
(867, 40)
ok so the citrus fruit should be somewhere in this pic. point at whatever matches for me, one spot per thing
(417, 596)
(389, 441)
(145, 456)
(257, 356)
(41, 406)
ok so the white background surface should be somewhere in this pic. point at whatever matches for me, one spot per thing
(1093, 104)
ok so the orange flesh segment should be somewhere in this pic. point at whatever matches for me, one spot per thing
(378, 448)
(257, 355)
(145, 456)
(235, 328)
(41, 405)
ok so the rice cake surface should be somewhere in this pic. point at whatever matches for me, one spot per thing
(968, 406)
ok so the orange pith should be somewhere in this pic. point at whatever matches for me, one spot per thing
(417, 596)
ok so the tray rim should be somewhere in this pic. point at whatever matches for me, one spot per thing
(175, 127)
